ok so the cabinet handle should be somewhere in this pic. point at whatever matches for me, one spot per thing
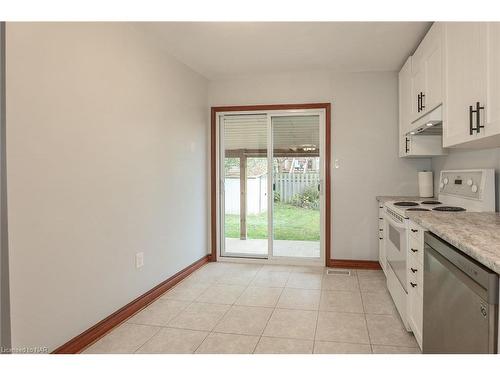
(471, 129)
(380, 230)
(478, 117)
(414, 230)
(413, 285)
(418, 103)
(381, 218)
(413, 270)
(414, 250)
(477, 111)
(422, 97)
(406, 145)
(381, 238)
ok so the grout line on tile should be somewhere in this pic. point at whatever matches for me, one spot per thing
(271, 315)
(148, 340)
(216, 323)
(229, 309)
(364, 315)
(161, 327)
(317, 319)
(195, 301)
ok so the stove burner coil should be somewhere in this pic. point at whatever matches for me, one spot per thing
(406, 204)
(431, 202)
(449, 209)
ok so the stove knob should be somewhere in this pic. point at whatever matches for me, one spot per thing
(441, 185)
(474, 188)
(445, 181)
(469, 182)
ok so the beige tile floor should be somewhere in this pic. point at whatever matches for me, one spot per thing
(248, 308)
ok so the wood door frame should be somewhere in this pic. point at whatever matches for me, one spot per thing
(213, 165)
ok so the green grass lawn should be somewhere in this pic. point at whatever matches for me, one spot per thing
(290, 223)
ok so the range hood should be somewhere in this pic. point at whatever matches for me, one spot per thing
(429, 124)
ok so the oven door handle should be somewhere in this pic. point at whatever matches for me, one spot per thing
(394, 223)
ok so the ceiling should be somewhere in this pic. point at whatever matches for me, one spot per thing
(220, 49)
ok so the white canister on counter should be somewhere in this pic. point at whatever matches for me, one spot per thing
(425, 184)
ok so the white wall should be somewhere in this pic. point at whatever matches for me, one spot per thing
(107, 150)
(4, 259)
(364, 140)
(464, 159)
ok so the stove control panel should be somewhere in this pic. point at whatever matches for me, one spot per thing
(465, 184)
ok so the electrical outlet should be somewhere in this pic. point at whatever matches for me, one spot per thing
(139, 260)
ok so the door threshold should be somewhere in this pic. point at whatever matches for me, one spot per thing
(272, 261)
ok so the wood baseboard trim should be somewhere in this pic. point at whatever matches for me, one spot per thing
(80, 342)
(358, 264)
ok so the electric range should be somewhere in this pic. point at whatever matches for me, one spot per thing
(459, 191)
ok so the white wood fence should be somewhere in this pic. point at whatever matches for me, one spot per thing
(287, 185)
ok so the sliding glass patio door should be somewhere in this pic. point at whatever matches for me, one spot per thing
(271, 172)
(244, 171)
(296, 184)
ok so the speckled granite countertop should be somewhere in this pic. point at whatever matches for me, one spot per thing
(386, 198)
(477, 234)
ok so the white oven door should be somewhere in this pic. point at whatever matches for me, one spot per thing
(396, 247)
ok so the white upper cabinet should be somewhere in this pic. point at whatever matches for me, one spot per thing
(465, 79)
(457, 65)
(427, 66)
(420, 91)
(472, 85)
(404, 81)
(492, 127)
(434, 69)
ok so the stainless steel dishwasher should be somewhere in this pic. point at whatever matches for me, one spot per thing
(460, 301)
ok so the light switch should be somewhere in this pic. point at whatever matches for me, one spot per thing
(139, 260)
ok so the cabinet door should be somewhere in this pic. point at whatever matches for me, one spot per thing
(465, 77)
(427, 75)
(404, 104)
(418, 88)
(402, 149)
(433, 65)
(415, 314)
(492, 126)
